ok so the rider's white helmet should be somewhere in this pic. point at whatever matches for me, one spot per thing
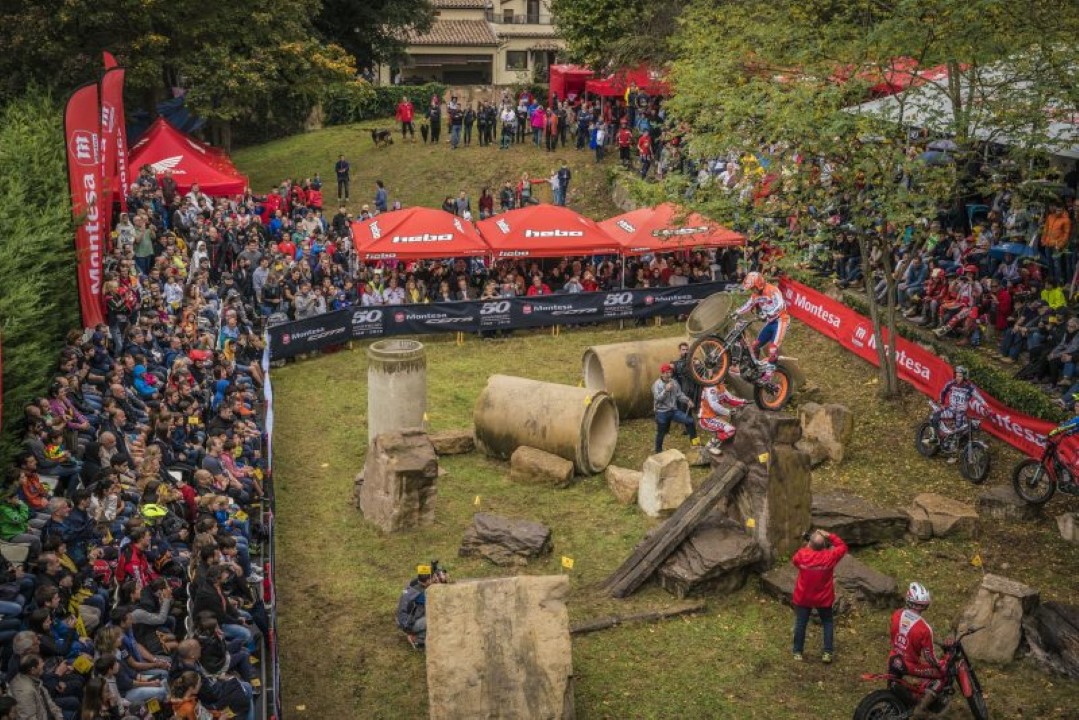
(918, 596)
(753, 281)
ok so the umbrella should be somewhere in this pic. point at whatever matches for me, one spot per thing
(943, 145)
(936, 157)
(1012, 248)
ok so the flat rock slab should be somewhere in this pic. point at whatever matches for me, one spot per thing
(624, 483)
(998, 607)
(500, 648)
(453, 442)
(1052, 632)
(856, 520)
(1001, 503)
(505, 541)
(537, 467)
(715, 558)
(946, 516)
(855, 583)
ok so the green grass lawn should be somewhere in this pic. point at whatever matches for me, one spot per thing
(418, 174)
(338, 578)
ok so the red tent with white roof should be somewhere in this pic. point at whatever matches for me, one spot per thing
(545, 231)
(163, 147)
(416, 233)
(667, 228)
(649, 82)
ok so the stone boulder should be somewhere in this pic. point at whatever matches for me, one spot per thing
(664, 483)
(829, 427)
(453, 442)
(946, 516)
(998, 607)
(505, 541)
(855, 584)
(817, 453)
(856, 520)
(1068, 523)
(920, 526)
(399, 481)
(775, 493)
(1001, 503)
(623, 482)
(716, 559)
(500, 648)
(537, 467)
(1052, 632)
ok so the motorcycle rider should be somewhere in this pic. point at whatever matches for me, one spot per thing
(912, 647)
(715, 412)
(955, 400)
(768, 301)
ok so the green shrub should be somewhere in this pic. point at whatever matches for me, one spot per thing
(38, 290)
(358, 101)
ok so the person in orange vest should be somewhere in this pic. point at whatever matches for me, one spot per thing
(625, 142)
(1055, 234)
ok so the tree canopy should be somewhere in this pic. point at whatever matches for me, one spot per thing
(619, 32)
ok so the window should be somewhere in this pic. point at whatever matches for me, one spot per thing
(516, 59)
(507, 17)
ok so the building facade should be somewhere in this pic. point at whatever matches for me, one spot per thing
(480, 42)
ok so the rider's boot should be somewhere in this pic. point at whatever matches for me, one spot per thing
(921, 710)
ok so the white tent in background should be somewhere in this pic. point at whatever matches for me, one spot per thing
(997, 90)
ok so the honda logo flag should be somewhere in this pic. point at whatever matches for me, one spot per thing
(82, 130)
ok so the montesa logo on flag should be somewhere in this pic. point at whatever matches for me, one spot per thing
(85, 148)
(108, 117)
(553, 233)
(168, 163)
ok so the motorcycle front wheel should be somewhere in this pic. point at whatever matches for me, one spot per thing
(1032, 482)
(926, 440)
(881, 705)
(774, 394)
(974, 462)
(976, 701)
(709, 361)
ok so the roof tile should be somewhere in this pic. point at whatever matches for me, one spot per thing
(456, 32)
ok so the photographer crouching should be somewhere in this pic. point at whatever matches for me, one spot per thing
(412, 606)
(815, 588)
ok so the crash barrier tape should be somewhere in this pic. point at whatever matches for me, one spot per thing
(478, 316)
(916, 365)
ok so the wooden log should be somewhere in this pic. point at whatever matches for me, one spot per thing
(655, 548)
(615, 620)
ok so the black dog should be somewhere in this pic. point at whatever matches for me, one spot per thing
(382, 138)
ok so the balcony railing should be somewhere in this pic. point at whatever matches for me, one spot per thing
(526, 19)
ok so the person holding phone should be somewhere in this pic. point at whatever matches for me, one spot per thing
(815, 588)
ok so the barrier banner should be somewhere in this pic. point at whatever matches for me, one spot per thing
(917, 366)
(304, 336)
(113, 143)
(82, 131)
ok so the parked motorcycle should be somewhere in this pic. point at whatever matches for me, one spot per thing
(902, 696)
(713, 354)
(1035, 481)
(972, 452)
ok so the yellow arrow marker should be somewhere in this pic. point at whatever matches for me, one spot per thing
(567, 562)
(751, 523)
(976, 561)
(476, 502)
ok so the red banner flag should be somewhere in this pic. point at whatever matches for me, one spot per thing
(113, 145)
(82, 130)
(917, 366)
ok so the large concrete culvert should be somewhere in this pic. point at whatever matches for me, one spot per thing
(578, 424)
(627, 370)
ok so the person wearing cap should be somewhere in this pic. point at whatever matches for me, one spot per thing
(667, 400)
(412, 605)
(814, 588)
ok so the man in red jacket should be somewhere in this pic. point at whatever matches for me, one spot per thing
(404, 116)
(815, 587)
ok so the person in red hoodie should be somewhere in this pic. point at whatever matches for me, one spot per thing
(404, 116)
(815, 588)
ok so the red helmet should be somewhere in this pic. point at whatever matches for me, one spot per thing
(971, 269)
(753, 281)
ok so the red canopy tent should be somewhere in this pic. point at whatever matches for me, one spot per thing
(163, 147)
(545, 231)
(664, 229)
(888, 79)
(415, 234)
(650, 82)
(569, 80)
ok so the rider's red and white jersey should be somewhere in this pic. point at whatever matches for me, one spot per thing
(769, 303)
(912, 638)
(716, 402)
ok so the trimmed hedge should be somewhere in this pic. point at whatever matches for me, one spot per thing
(38, 296)
(354, 102)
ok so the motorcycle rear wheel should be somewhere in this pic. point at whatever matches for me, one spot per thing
(926, 440)
(774, 394)
(974, 461)
(709, 361)
(1032, 483)
(881, 705)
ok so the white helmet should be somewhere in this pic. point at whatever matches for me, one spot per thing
(918, 596)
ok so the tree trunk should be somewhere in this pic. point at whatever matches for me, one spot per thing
(889, 383)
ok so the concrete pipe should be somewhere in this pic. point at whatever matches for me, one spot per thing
(396, 386)
(709, 314)
(577, 424)
(627, 370)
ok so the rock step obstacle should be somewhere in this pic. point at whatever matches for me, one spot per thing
(855, 583)
(1068, 524)
(665, 483)
(826, 431)
(531, 466)
(716, 558)
(399, 488)
(505, 541)
(453, 442)
(661, 542)
(998, 608)
(624, 483)
(1052, 632)
(856, 520)
(933, 515)
(1001, 503)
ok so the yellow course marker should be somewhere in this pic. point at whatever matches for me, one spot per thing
(763, 458)
(751, 523)
(567, 562)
